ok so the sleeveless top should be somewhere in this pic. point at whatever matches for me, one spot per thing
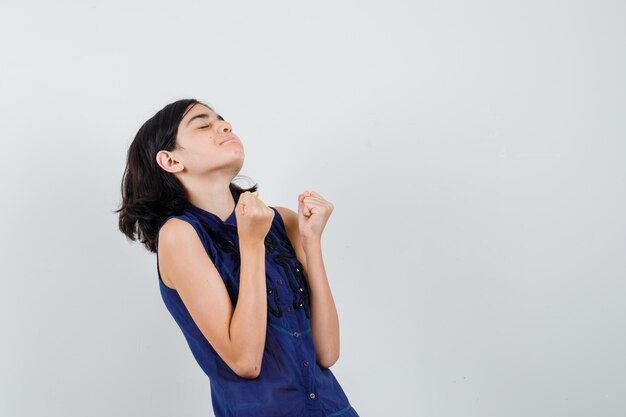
(290, 383)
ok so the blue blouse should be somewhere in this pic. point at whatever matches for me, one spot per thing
(290, 383)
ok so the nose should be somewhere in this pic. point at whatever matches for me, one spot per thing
(225, 126)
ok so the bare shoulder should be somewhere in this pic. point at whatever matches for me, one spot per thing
(175, 233)
(290, 219)
(285, 212)
(175, 228)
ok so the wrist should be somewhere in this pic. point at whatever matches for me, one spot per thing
(251, 245)
(311, 243)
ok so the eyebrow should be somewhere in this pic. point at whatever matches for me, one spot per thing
(198, 116)
(202, 116)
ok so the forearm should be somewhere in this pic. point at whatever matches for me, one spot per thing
(249, 321)
(324, 319)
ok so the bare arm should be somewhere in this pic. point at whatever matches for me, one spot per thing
(236, 334)
(324, 318)
(249, 321)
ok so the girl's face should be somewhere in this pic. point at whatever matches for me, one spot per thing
(206, 142)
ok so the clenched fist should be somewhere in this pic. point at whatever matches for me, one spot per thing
(254, 218)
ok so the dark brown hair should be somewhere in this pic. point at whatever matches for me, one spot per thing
(149, 193)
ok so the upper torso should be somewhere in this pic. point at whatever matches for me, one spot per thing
(290, 383)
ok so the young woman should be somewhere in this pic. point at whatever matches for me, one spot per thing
(244, 282)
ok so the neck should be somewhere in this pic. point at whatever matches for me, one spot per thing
(215, 198)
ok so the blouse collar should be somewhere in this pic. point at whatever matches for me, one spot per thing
(211, 218)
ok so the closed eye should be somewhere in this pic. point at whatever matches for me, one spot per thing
(218, 118)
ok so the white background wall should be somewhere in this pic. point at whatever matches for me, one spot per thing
(474, 152)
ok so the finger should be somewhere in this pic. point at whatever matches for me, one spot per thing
(307, 206)
(301, 206)
(313, 201)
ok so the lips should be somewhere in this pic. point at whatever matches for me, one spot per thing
(227, 139)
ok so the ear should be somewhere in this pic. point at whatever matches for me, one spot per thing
(166, 160)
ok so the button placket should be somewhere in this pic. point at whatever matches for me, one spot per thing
(293, 291)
